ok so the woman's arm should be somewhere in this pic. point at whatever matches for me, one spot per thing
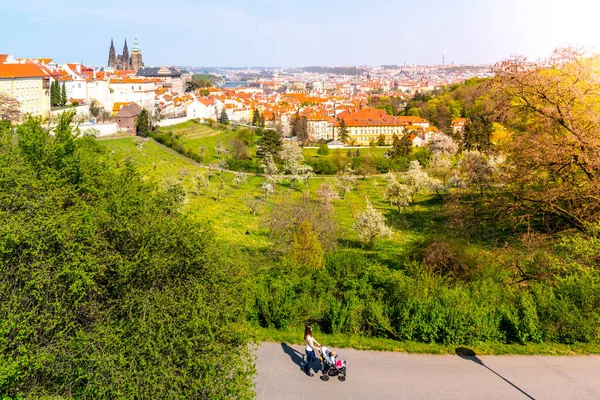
(317, 343)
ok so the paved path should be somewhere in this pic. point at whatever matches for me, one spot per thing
(379, 375)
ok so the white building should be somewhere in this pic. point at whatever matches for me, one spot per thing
(139, 90)
(201, 108)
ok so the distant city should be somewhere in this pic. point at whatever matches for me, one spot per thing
(318, 93)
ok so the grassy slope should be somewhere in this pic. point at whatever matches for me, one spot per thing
(235, 226)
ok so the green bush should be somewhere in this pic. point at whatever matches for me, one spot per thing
(354, 295)
(107, 290)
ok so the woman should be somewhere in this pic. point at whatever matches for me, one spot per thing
(310, 349)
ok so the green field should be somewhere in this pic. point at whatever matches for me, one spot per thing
(233, 218)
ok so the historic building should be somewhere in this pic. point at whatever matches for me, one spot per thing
(124, 61)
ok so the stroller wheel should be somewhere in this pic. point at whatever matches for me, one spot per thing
(324, 378)
(342, 378)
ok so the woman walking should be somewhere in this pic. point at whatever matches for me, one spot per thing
(310, 349)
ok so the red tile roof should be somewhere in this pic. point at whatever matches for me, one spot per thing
(21, 71)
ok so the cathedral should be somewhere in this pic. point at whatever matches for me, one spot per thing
(125, 61)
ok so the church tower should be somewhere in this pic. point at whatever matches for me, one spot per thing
(125, 64)
(136, 56)
(112, 55)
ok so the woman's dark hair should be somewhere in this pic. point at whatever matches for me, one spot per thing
(307, 331)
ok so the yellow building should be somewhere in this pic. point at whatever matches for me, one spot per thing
(29, 85)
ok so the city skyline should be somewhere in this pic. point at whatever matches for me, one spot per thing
(237, 33)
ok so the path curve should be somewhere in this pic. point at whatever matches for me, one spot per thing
(376, 375)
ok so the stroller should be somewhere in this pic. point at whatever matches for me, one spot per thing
(332, 365)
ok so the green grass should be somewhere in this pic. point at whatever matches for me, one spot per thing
(365, 343)
(372, 151)
(236, 225)
(194, 136)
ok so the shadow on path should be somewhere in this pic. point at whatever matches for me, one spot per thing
(298, 358)
(295, 356)
(469, 354)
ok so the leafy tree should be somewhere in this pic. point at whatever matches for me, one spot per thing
(101, 271)
(323, 150)
(219, 149)
(345, 180)
(552, 163)
(239, 179)
(477, 134)
(343, 135)
(143, 123)
(299, 127)
(10, 108)
(416, 179)
(396, 192)
(401, 147)
(63, 95)
(370, 224)
(202, 183)
(381, 140)
(442, 144)
(306, 248)
(268, 143)
(224, 118)
(239, 149)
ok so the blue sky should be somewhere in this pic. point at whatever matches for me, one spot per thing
(297, 33)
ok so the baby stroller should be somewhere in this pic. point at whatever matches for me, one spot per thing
(332, 365)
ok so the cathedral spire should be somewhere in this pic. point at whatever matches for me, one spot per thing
(112, 55)
(125, 61)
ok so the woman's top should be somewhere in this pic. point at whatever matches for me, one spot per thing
(309, 342)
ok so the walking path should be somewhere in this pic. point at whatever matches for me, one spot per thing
(379, 375)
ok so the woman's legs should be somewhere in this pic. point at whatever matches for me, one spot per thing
(310, 357)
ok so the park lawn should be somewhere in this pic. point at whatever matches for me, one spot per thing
(235, 224)
(194, 136)
(372, 151)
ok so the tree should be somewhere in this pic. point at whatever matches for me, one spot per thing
(224, 118)
(327, 193)
(108, 273)
(343, 135)
(345, 180)
(54, 93)
(396, 192)
(402, 147)
(291, 153)
(299, 127)
(370, 224)
(63, 95)
(239, 149)
(269, 142)
(552, 163)
(381, 140)
(442, 144)
(95, 108)
(270, 168)
(155, 116)
(306, 248)
(239, 179)
(477, 134)
(143, 123)
(289, 213)
(416, 179)
(323, 150)
(202, 183)
(10, 109)
(219, 149)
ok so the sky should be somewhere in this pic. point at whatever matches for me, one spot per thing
(289, 33)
